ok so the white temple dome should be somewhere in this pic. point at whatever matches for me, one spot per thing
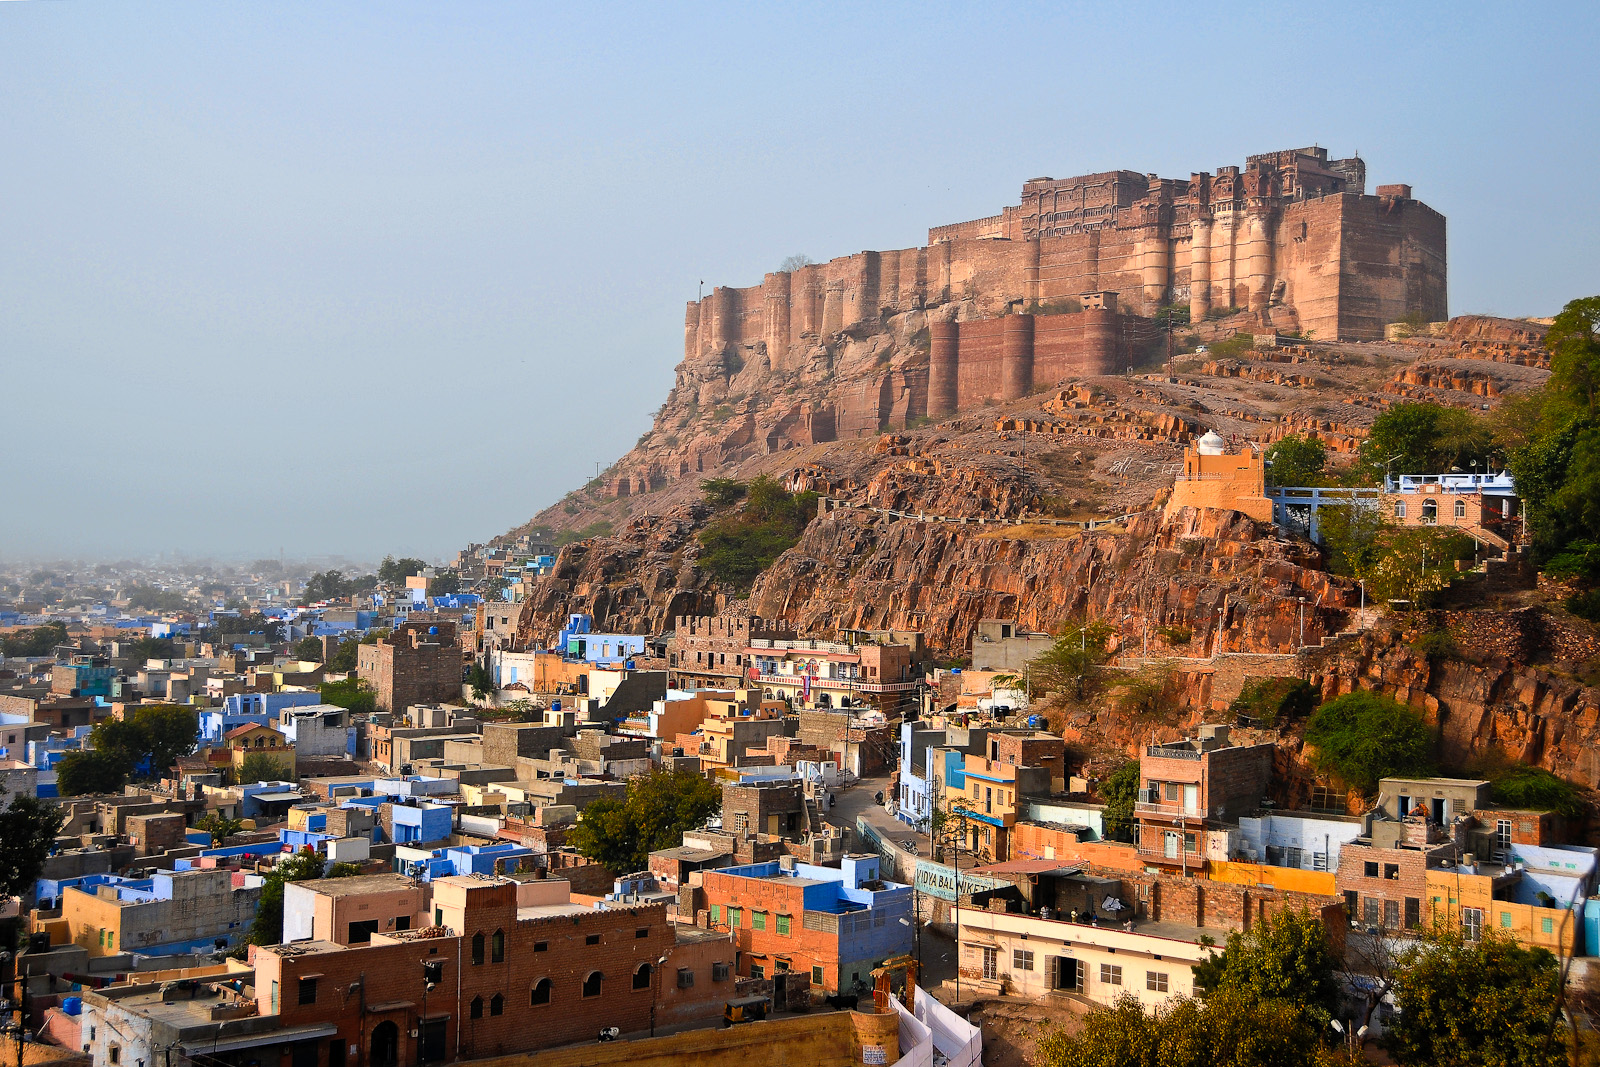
(1211, 444)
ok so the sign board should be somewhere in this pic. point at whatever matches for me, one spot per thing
(939, 880)
(874, 1054)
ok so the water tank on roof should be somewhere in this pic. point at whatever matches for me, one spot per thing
(72, 1005)
(1211, 444)
(433, 630)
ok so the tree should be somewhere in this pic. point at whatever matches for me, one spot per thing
(1364, 737)
(303, 866)
(444, 583)
(1119, 793)
(262, 767)
(1351, 534)
(39, 641)
(148, 648)
(722, 492)
(83, 773)
(220, 827)
(738, 546)
(1574, 344)
(169, 731)
(28, 830)
(395, 571)
(658, 808)
(1426, 439)
(352, 694)
(344, 870)
(1285, 957)
(1490, 1002)
(1071, 664)
(793, 263)
(480, 677)
(343, 660)
(1297, 460)
(308, 649)
(1414, 562)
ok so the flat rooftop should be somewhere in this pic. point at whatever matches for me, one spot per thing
(358, 885)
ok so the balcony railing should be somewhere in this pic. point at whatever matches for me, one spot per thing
(1162, 807)
(844, 684)
(1171, 752)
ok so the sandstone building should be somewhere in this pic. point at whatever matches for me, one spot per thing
(419, 663)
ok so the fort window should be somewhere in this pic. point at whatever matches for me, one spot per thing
(591, 984)
(592, 939)
(477, 949)
(308, 991)
(642, 932)
(497, 947)
(541, 992)
(497, 1005)
(641, 977)
(476, 1010)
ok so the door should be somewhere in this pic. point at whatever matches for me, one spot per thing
(1191, 799)
(433, 1046)
(1069, 974)
(385, 1045)
(1173, 843)
(1439, 810)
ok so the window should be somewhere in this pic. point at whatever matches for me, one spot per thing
(116, 1053)
(816, 976)
(1156, 981)
(541, 992)
(476, 1011)
(274, 996)
(685, 978)
(1472, 923)
(1547, 925)
(719, 972)
(497, 1005)
(497, 947)
(1399, 509)
(1413, 913)
(1391, 871)
(477, 949)
(592, 939)
(758, 920)
(716, 913)
(1391, 915)
(1502, 834)
(1461, 509)
(1110, 974)
(308, 991)
(1021, 960)
(641, 977)
(735, 917)
(541, 946)
(1370, 870)
(1505, 920)
(991, 960)
(1374, 912)
(783, 925)
(642, 932)
(591, 984)
(433, 971)
(757, 971)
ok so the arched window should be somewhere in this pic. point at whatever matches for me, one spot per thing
(477, 949)
(497, 947)
(497, 1004)
(591, 984)
(1399, 509)
(641, 977)
(1430, 510)
(1461, 509)
(541, 992)
(477, 1007)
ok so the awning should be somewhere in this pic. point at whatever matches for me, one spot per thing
(265, 1037)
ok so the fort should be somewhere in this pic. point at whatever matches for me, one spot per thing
(1079, 278)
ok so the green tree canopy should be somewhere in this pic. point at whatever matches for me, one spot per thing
(1364, 737)
(1119, 792)
(352, 694)
(1297, 460)
(1285, 957)
(39, 641)
(308, 649)
(395, 571)
(28, 830)
(220, 827)
(1071, 665)
(343, 660)
(1427, 439)
(85, 773)
(170, 731)
(264, 767)
(658, 808)
(1488, 1003)
(722, 492)
(738, 546)
(1574, 344)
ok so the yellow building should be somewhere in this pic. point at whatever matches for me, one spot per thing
(1460, 896)
(1212, 478)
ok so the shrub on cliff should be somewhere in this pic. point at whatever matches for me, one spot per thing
(738, 546)
(1269, 701)
(1536, 789)
(1364, 737)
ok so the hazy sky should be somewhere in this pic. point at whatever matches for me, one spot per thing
(371, 278)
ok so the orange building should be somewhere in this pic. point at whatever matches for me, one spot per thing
(1212, 478)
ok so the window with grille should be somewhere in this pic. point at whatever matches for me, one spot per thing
(1155, 981)
(991, 963)
(1110, 974)
(1021, 960)
(1391, 914)
(1374, 911)
(783, 925)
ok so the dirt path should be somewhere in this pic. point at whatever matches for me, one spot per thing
(1012, 1028)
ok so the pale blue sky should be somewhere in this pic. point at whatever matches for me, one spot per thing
(361, 278)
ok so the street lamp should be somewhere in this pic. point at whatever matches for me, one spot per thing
(655, 992)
